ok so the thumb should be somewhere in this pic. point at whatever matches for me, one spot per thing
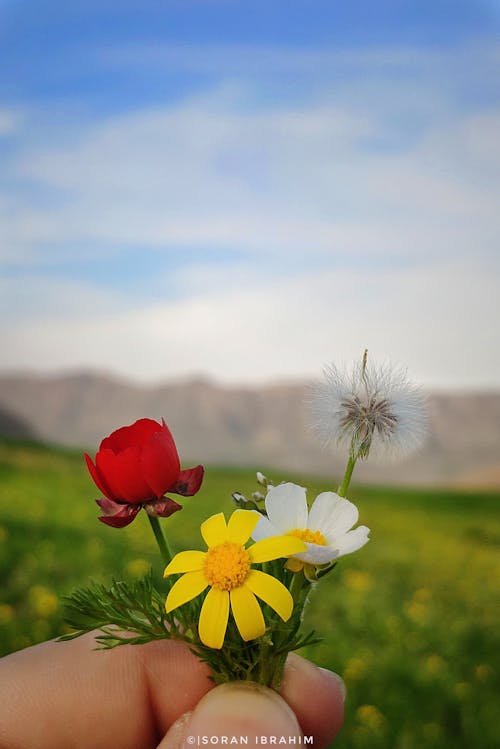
(238, 713)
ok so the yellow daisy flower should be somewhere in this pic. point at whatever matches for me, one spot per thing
(227, 568)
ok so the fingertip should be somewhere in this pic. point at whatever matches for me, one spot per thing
(237, 710)
(317, 697)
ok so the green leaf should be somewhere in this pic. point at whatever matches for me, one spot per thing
(126, 613)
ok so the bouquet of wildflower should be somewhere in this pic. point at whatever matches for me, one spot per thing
(239, 601)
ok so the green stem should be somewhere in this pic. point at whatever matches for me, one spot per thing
(296, 585)
(342, 490)
(160, 539)
(270, 665)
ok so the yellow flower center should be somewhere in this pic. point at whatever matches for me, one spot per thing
(227, 565)
(310, 537)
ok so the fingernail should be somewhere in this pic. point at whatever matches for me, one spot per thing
(338, 680)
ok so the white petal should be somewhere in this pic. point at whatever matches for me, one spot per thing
(317, 554)
(264, 529)
(332, 515)
(352, 541)
(286, 507)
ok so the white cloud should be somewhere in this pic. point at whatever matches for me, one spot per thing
(440, 322)
(245, 61)
(26, 298)
(9, 122)
(268, 182)
(344, 230)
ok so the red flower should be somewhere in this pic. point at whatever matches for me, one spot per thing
(135, 467)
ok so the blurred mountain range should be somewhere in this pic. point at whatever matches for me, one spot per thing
(260, 427)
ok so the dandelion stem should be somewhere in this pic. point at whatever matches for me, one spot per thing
(160, 539)
(342, 490)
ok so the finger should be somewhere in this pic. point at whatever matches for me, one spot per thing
(235, 712)
(315, 695)
(246, 710)
(317, 698)
(68, 695)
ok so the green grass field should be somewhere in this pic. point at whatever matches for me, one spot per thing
(411, 621)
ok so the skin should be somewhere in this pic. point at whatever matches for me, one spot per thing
(70, 696)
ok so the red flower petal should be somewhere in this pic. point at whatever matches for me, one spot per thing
(97, 477)
(106, 462)
(128, 475)
(124, 476)
(134, 434)
(109, 506)
(160, 461)
(117, 515)
(188, 483)
(165, 507)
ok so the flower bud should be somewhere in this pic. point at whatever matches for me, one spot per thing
(258, 496)
(240, 500)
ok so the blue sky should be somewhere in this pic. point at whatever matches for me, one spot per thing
(250, 190)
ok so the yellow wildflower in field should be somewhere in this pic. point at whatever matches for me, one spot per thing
(422, 595)
(371, 717)
(94, 548)
(416, 611)
(6, 613)
(227, 568)
(358, 580)
(138, 567)
(482, 672)
(434, 664)
(43, 601)
(355, 670)
(462, 690)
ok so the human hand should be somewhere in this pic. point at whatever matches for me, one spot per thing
(69, 696)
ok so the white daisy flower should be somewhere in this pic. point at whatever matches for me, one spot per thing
(370, 409)
(326, 528)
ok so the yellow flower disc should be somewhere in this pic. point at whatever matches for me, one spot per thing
(226, 565)
(310, 537)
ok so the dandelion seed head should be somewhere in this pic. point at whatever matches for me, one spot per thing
(370, 410)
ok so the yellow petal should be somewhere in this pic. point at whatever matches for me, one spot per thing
(186, 561)
(241, 525)
(272, 592)
(275, 547)
(247, 613)
(186, 588)
(214, 530)
(213, 618)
